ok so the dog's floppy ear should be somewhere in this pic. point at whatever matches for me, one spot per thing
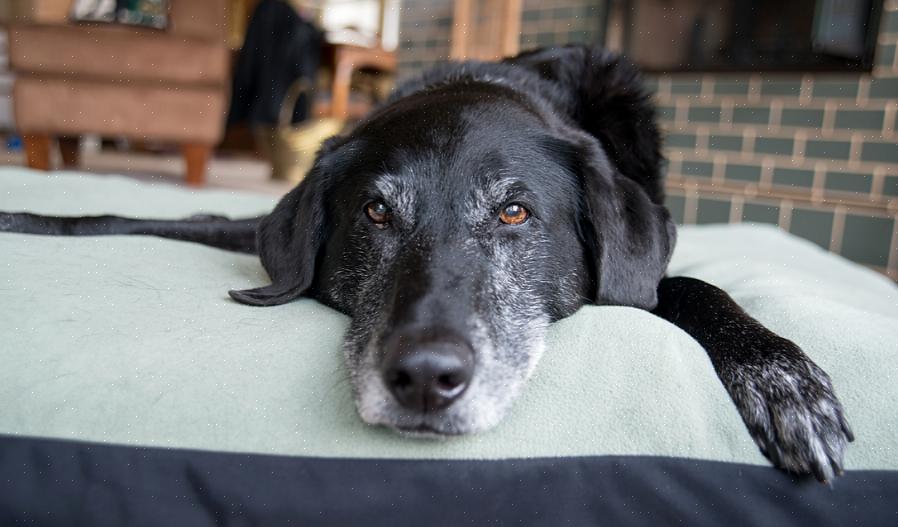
(604, 94)
(289, 240)
(630, 237)
(625, 225)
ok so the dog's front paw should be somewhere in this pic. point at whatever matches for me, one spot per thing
(790, 409)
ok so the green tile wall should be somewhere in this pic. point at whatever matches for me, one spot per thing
(890, 187)
(742, 172)
(777, 86)
(731, 86)
(867, 239)
(697, 168)
(849, 182)
(666, 113)
(679, 140)
(713, 211)
(812, 118)
(884, 88)
(760, 213)
(880, 151)
(813, 225)
(687, 86)
(860, 119)
(677, 206)
(795, 177)
(751, 115)
(835, 88)
(890, 22)
(885, 55)
(823, 149)
(725, 142)
(425, 28)
(704, 114)
(774, 145)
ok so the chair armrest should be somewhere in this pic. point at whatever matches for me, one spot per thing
(189, 19)
(37, 12)
(199, 19)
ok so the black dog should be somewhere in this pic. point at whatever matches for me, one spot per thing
(480, 203)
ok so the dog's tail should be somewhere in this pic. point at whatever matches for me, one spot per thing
(216, 231)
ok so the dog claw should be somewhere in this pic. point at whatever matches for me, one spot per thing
(789, 406)
(846, 429)
(819, 473)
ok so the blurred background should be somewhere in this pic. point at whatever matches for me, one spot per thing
(781, 112)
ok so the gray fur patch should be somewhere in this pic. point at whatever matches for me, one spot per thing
(506, 326)
(398, 195)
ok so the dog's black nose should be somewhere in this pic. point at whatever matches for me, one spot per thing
(430, 375)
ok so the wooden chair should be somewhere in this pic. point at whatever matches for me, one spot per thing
(118, 81)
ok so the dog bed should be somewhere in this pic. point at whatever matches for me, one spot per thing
(134, 391)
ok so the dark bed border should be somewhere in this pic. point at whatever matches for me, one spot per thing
(57, 482)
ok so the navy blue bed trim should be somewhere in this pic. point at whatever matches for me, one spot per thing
(54, 482)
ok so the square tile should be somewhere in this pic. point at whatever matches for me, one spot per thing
(739, 172)
(760, 213)
(793, 177)
(849, 182)
(713, 211)
(813, 225)
(867, 239)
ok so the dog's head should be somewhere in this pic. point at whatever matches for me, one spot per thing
(452, 227)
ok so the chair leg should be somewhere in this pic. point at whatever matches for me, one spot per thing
(68, 147)
(37, 151)
(196, 157)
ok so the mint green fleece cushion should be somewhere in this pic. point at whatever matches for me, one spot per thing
(133, 340)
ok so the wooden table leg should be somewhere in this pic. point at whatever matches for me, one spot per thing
(37, 151)
(196, 157)
(69, 147)
(340, 89)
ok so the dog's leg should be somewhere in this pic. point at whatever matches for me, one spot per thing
(216, 231)
(786, 401)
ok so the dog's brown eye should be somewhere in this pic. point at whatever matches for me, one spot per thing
(514, 214)
(379, 213)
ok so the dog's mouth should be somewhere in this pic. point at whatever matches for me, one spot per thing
(471, 414)
(425, 431)
(427, 425)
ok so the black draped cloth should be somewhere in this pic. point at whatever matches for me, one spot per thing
(280, 47)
